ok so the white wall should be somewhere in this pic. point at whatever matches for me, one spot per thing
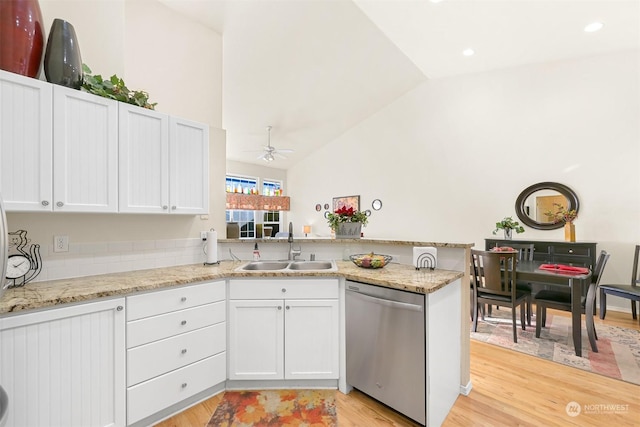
(449, 158)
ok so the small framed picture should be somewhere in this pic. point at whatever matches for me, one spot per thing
(346, 202)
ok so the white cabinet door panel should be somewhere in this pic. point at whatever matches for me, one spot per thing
(26, 143)
(150, 360)
(85, 140)
(256, 339)
(150, 329)
(65, 366)
(159, 393)
(144, 160)
(174, 299)
(189, 167)
(312, 337)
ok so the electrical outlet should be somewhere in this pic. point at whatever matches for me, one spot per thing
(203, 235)
(60, 243)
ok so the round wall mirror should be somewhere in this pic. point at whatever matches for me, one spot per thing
(535, 201)
(376, 204)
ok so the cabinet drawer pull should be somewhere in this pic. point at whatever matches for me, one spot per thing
(173, 208)
(284, 290)
(184, 322)
(279, 307)
(183, 299)
(59, 204)
(184, 385)
(165, 207)
(184, 351)
(119, 308)
(570, 251)
(45, 203)
(288, 308)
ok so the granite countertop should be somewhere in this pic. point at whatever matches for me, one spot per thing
(50, 293)
(355, 241)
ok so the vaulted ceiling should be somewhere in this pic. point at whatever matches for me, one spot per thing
(312, 69)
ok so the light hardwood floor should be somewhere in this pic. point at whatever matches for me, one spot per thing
(509, 389)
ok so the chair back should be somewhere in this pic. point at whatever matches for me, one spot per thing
(494, 272)
(525, 250)
(635, 274)
(596, 275)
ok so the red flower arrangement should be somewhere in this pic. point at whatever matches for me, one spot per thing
(345, 214)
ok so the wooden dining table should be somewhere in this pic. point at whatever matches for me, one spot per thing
(529, 271)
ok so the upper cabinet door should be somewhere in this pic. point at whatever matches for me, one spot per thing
(188, 166)
(25, 143)
(144, 160)
(85, 139)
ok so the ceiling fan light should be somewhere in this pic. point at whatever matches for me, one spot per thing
(268, 157)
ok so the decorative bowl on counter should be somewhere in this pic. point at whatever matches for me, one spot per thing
(370, 260)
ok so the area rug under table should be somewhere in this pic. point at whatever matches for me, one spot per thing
(276, 408)
(618, 353)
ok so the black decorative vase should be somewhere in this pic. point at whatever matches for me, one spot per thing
(62, 60)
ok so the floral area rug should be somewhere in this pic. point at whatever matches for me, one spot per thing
(618, 353)
(303, 408)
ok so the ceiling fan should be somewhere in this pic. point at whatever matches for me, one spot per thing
(270, 152)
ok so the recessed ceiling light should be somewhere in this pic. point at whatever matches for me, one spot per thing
(593, 27)
(468, 52)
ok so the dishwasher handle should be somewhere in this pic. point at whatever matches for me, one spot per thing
(387, 302)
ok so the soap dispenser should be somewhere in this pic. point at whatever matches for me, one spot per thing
(256, 253)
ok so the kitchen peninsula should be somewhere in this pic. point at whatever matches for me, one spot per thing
(144, 293)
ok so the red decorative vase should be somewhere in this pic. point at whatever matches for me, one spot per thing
(21, 36)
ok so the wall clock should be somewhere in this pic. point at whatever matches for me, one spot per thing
(25, 263)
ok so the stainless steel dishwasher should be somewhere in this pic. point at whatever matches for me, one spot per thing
(385, 346)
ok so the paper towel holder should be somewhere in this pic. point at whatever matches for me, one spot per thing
(204, 249)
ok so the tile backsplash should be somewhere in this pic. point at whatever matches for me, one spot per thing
(88, 259)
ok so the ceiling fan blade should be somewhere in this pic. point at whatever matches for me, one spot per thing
(279, 155)
(283, 150)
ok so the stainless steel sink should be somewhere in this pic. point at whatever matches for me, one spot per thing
(288, 266)
(265, 265)
(311, 265)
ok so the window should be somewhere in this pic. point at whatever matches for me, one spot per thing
(246, 219)
(243, 185)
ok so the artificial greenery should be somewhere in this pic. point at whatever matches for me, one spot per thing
(114, 88)
(561, 214)
(508, 224)
(346, 215)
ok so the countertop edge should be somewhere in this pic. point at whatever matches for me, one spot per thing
(40, 295)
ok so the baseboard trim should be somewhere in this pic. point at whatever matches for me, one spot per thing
(466, 389)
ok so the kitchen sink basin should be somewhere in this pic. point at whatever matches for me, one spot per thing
(311, 265)
(288, 266)
(266, 265)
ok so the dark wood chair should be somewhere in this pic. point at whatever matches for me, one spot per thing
(560, 300)
(525, 252)
(494, 283)
(630, 292)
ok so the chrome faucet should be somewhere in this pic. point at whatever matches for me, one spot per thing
(293, 253)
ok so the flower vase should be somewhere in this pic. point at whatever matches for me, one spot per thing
(348, 230)
(21, 37)
(507, 233)
(62, 60)
(569, 232)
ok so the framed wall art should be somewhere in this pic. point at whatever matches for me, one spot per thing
(346, 202)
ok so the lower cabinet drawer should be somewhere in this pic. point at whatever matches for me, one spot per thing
(149, 397)
(154, 328)
(150, 360)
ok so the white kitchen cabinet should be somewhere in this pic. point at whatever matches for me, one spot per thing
(65, 366)
(164, 163)
(26, 143)
(176, 348)
(272, 337)
(85, 152)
